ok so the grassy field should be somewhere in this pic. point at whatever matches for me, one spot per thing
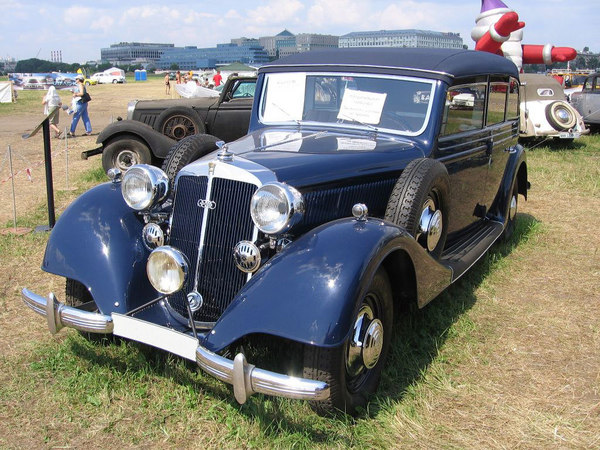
(508, 357)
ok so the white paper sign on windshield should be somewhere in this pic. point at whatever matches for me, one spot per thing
(362, 106)
(285, 97)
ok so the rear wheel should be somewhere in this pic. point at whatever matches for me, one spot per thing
(124, 153)
(353, 370)
(511, 212)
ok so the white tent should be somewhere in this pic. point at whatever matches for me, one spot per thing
(6, 92)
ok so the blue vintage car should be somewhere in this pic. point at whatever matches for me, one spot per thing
(359, 188)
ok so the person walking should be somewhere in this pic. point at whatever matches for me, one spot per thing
(52, 100)
(217, 78)
(167, 84)
(81, 108)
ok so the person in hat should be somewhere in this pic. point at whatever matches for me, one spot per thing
(81, 108)
(52, 100)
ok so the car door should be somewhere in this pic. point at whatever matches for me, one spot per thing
(463, 148)
(502, 123)
(232, 117)
(591, 96)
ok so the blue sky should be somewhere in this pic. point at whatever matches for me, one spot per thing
(80, 29)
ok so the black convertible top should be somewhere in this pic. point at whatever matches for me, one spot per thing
(436, 62)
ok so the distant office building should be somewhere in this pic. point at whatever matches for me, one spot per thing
(248, 51)
(125, 53)
(286, 43)
(401, 38)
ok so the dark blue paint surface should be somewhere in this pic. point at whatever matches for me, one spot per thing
(97, 241)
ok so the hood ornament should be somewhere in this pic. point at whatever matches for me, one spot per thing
(224, 154)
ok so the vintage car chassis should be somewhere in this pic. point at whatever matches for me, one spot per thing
(245, 378)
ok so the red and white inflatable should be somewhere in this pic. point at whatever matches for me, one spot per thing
(498, 30)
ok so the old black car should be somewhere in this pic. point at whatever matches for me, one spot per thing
(359, 188)
(154, 126)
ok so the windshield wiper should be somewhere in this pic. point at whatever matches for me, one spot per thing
(353, 119)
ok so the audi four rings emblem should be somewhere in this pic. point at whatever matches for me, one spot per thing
(207, 204)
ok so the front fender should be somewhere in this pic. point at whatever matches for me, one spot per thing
(97, 241)
(158, 143)
(308, 292)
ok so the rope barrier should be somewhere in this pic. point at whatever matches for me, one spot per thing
(27, 170)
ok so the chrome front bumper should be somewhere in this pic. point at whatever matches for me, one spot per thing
(245, 378)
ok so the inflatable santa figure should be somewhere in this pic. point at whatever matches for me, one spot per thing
(498, 30)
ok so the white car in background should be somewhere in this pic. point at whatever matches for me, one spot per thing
(107, 78)
(545, 112)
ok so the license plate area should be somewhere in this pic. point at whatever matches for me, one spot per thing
(158, 336)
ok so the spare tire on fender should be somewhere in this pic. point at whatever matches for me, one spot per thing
(419, 203)
(179, 122)
(187, 151)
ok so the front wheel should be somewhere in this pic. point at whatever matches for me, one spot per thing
(77, 296)
(353, 370)
(124, 153)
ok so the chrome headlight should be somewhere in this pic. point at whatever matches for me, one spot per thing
(143, 186)
(276, 207)
(167, 269)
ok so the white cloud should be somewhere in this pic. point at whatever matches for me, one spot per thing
(274, 13)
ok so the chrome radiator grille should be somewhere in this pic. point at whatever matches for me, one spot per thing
(209, 251)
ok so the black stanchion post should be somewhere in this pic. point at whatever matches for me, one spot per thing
(49, 182)
(45, 126)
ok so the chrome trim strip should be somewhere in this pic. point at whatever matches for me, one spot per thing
(60, 315)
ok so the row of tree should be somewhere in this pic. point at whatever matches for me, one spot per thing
(42, 66)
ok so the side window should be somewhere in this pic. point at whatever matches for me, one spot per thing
(587, 86)
(464, 108)
(512, 104)
(244, 89)
(497, 102)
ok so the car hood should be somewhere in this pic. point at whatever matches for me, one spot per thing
(308, 157)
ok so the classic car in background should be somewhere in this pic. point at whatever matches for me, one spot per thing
(545, 113)
(154, 126)
(587, 102)
(358, 190)
(107, 78)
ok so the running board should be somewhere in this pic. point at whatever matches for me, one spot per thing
(462, 254)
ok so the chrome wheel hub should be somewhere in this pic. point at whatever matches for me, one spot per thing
(512, 212)
(366, 342)
(430, 225)
(126, 159)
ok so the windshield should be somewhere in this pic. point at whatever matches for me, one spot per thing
(384, 103)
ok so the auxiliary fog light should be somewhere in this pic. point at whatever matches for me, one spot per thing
(153, 236)
(167, 269)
